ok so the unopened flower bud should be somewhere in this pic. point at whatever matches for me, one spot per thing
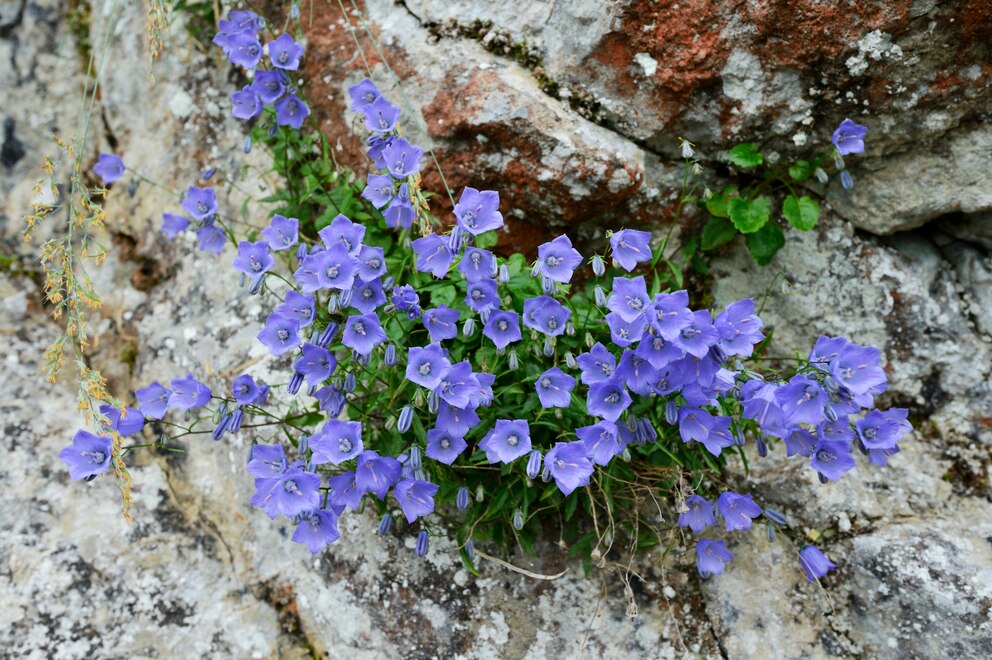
(422, 543)
(761, 444)
(294, 383)
(479, 493)
(405, 419)
(549, 347)
(470, 550)
(209, 172)
(846, 180)
(221, 427)
(570, 329)
(534, 464)
(236, 417)
(671, 412)
(820, 175)
(327, 336)
(513, 361)
(416, 459)
(717, 354)
(390, 357)
(349, 382)
(548, 286)
(504, 274)
(600, 296)
(385, 523)
(687, 151)
(518, 519)
(570, 360)
(294, 12)
(246, 147)
(461, 498)
(468, 327)
(433, 402)
(598, 266)
(775, 517)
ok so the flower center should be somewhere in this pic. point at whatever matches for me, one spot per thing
(445, 443)
(333, 271)
(345, 445)
(512, 440)
(425, 369)
(502, 325)
(283, 57)
(282, 334)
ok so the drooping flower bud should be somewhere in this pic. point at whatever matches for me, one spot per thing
(303, 445)
(468, 328)
(534, 464)
(518, 519)
(422, 543)
(221, 427)
(600, 296)
(820, 175)
(349, 382)
(504, 274)
(761, 444)
(327, 336)
(294, 383)
(461, 498)
(479, 493)
(470, 550)
(513, 361)
(416, 458)
(246, 147)
(570, 360)
(385, 523)
(390, 357)
(598, 266)
(548, 286)
(236, 418)
(433, 402)
(775, 517)
(405, 419)
(671, 412)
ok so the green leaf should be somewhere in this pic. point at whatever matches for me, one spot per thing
(444, 295)
(800, 170)
(749, 216)
(746, 155)
(765, 242)
(801, 212)
(486, 240)
(717, 233)
(717, 204)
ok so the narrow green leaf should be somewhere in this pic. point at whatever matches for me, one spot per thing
(801, 212)
(746, 155)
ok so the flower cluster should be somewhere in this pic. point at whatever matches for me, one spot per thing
(269, 67)
(410, 350)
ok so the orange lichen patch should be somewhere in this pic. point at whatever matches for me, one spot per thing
(796, 32)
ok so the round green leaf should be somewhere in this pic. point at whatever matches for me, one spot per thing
(749, 216)
(765, 242)
(801, 212)
(717, 232)
(746, 155)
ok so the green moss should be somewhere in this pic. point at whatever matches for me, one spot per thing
(78, 19)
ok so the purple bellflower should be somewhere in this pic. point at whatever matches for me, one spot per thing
(88, 455)
(268, 85)
(554, 388)
(608, 400)
(433, 255)
(630, 247)
(630, 298)
(246, 103)
(337, 441)
(478, 211)
(416, 498)
(832, 459)
(569, 466)
(558, 259)
(254, 259)
(377, 474)
(444, 446)
(698, 514)
(291, 110)
(363, 333)
(669, 314)
(109, 168)
(737, 510)
(814, 563)
(316, 529)
(506, 441)
(602, 442)
(362, 94)
(284, 53)
(200, 203)
(188, 393)
(280, 334)
(290, 494)
(211, 239)
(130, 423)
(739, 328)
(441, 323)
(597, 365)
(381, 115)
(402, 158)
(711, 557)
(267, 461)
(546, 315)
(172, 224)
(153, 400)
(849, 138)
(345, 491)
(245, 389)
(502, 328)
(282, 232)
(426, 366)
(315, 363)
(298, 307)
(342, 231)
(477, 264)
(482, 295)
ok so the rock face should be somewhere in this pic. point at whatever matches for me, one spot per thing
(570, 110)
